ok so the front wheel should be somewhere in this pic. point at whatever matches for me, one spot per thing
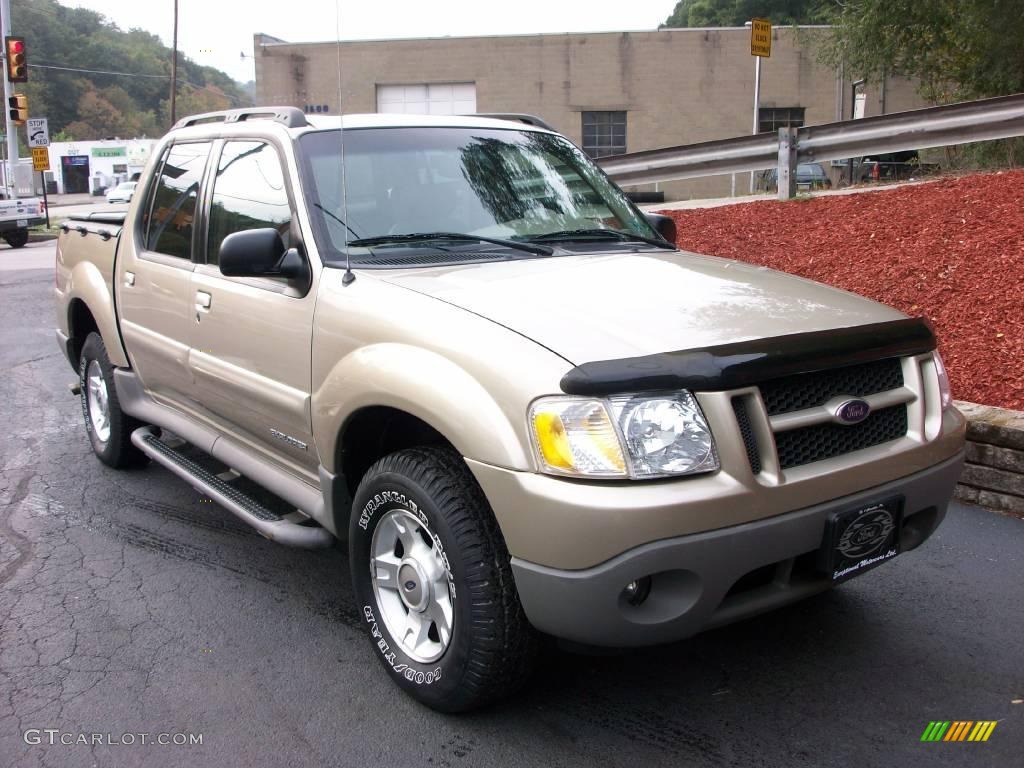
(432, 576)
(16, 238)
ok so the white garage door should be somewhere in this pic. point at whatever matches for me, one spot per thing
(432, 99)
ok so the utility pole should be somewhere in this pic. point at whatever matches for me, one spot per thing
(174, 61)
(12, 130)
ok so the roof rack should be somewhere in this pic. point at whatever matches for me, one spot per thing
(515, 117)
(290, 117)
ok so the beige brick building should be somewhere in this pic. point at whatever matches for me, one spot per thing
(608, 92)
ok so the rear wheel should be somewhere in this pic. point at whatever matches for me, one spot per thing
(16, 238)
(109, 428)
(432, 576)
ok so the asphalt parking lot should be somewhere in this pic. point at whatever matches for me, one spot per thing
(128, 605)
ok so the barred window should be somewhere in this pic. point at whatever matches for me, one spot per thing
(604, 133)
(770, 119)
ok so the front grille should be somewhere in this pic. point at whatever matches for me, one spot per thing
(739, 407)
(824, 441)
(807, 390)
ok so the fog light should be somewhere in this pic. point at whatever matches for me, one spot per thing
(637, 591)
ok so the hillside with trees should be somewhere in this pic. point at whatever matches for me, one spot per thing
(94, 80)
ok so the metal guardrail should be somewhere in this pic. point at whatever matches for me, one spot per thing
(998, 118)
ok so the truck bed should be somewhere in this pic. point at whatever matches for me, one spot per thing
(90, 238)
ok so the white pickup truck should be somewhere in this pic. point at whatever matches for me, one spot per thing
(16, 216)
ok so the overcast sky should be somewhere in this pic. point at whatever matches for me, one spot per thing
(215, 32)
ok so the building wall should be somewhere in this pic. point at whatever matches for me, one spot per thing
(678, 86)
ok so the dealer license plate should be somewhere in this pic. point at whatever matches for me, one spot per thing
(859, 539)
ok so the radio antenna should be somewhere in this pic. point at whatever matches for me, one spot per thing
(349, 277)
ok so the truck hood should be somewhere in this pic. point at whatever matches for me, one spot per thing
(604, 307)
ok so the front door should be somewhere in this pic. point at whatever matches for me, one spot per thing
(251, 337)
(154, 275)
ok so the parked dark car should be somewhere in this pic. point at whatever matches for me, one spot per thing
(808, 176)
(895, 166)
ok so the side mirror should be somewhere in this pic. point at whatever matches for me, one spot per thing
(665, 225)
(259, 253)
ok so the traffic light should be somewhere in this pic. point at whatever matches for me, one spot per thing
(17, 64)
(18, 107)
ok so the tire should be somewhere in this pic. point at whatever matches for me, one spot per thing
(112, 444)
(16, 238)
(491, 647)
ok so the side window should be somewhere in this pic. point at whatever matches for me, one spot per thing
(248, 193)
(170, 223)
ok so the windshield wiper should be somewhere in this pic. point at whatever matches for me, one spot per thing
(597, 232)
(412, 237)
(346, 226)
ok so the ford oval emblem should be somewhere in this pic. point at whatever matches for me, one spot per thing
(866, 534)
(852, 412)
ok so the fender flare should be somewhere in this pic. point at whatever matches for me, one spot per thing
(86, 284)
(402, 376)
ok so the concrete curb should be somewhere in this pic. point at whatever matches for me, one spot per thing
(994, 474)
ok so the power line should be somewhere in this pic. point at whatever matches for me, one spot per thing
(98, 71)
(212, 89)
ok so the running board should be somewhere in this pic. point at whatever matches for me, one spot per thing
(267, 523)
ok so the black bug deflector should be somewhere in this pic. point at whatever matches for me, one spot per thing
(741, 364)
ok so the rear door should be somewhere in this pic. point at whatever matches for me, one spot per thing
(252, 337)
(154, 274)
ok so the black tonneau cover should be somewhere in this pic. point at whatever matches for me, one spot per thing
(102, 217)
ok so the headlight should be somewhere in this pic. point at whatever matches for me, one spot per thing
(665, 435)
(945, 393)
(576, 437)
(639, 436)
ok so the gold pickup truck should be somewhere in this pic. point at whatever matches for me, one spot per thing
(453, 344)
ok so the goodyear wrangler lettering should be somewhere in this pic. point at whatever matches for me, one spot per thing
(411, 674)
(384, 497)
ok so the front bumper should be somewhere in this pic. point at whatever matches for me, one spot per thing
(704, 580)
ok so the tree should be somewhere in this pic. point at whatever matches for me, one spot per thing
(735, 13)
(957, 49)
(91, 104)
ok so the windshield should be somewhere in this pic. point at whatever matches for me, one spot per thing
(491, 183)
(809, 169)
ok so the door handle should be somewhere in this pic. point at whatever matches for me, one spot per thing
(203, 300)
(129, 279)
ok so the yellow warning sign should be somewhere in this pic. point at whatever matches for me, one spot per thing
(761, 38)
(40, 159)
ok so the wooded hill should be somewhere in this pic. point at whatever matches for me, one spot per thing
(81, 105)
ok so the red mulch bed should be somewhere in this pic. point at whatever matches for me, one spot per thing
(952, 251)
